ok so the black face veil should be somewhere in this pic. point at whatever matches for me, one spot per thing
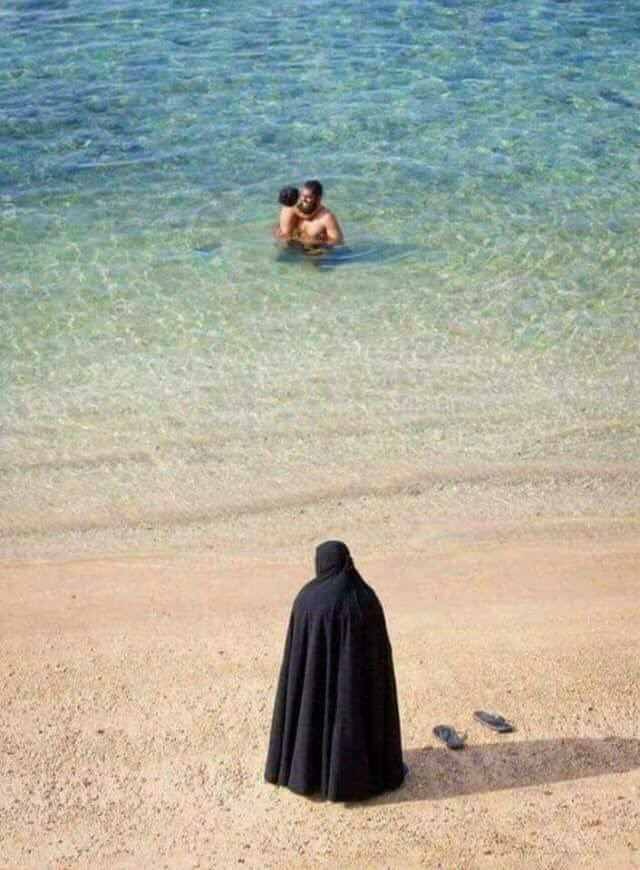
(336, 728)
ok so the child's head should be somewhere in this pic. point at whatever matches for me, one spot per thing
(288, 196)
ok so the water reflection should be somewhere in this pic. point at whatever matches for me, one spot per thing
(364, 252)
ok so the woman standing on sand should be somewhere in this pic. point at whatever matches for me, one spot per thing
(336, 728)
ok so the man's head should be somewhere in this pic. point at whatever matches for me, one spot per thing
(288, 196)
(310, 197)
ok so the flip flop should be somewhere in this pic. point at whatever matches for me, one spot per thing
(494, 721)
(450, 736)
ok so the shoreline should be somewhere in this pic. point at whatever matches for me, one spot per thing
(407, 503)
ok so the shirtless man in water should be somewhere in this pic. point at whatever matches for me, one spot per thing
(311, 223)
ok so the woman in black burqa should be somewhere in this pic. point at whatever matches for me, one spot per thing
(336, 728)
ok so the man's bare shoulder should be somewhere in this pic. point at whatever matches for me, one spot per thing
(329, 217)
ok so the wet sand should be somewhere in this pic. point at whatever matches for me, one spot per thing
(137, 688)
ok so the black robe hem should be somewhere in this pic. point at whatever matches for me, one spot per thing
(342, 799)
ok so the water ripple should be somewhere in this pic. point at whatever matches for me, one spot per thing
(482, 158)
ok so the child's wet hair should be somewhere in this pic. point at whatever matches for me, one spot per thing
(288, 196)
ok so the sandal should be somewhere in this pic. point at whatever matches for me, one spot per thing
(493, 721)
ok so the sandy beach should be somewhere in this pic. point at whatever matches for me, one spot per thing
(137, 690)
(188, 409)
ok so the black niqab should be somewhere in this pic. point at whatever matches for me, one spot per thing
(336, 728)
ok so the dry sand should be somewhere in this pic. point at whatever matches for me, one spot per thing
(136, 695)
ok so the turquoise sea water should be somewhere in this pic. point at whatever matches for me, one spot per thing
(160, 359)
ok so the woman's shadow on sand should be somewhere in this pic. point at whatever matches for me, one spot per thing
(437, 774)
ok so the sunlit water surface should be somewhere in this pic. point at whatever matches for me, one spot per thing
(160, 359)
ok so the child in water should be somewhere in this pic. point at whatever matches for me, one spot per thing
(288, 197)
(287, 228)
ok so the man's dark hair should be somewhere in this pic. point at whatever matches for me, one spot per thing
(288, 196)
(315, 187)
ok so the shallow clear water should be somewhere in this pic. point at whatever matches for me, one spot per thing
(158, 356)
